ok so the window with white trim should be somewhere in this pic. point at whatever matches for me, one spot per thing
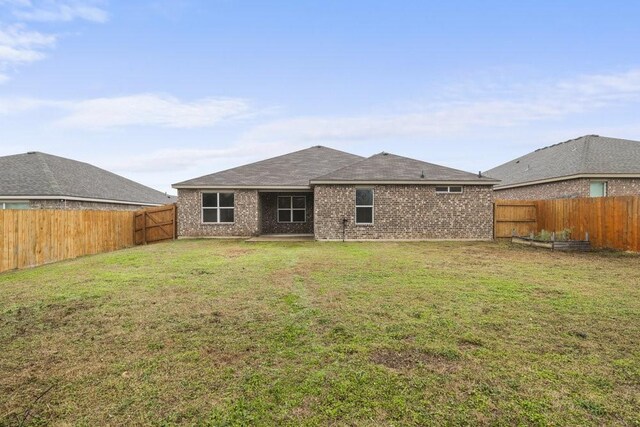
(449, 189)
(598, 188)
(218, 208)
(292, 209)
(364, 205)
(14, 205)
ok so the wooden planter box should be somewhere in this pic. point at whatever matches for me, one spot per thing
(569, 245)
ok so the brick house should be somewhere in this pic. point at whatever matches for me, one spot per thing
(37, 180)
(330, 194)
(589, 166)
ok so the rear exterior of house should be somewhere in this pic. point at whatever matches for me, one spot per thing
(589, 166)
(331, 195)
(37, 180)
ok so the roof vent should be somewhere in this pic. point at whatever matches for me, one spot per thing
(422, 174)
(385, 154)
(31, 152)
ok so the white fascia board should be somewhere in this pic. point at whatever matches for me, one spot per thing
(241, 187)
(567, 178)
(404, 182)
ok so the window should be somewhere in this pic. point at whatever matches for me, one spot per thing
(217, 207)
(292, 209)
(14, 205)
(364, 206)
(449, 189)
(598, 188)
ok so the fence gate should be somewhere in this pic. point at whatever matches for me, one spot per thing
(514, 217)
(155, 224)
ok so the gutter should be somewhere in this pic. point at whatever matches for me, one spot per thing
(566, 178)
(240, 187)
(79, 199)
(422, 182)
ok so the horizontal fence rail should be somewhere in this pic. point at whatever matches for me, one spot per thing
(514, 217)
(33, 237)
(611, 222)
(155, 224)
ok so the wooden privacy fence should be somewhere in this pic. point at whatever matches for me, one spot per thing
(612, 222)
(34, 237)
(155, 224)
(514, 217)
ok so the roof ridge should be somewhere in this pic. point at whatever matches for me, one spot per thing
(260, 162)
(586, 154)
(92, 166)
(390, 168)
(351, 165)
(55, 186)
(40, 174)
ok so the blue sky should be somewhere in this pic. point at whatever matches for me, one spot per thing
(161, 91)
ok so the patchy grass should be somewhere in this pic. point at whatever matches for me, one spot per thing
(233, 333)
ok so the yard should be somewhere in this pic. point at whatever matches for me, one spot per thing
(234, 333)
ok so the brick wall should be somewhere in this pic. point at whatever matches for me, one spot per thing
(245, 215)
(269, 218)
(623, 187)
(406, 212)
(569, 189)
(80, 205)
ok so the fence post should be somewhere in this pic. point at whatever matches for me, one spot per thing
(175, 221)
(144, 227)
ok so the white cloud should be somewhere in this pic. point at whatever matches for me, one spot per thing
(181, 159)
(21, 105)
(151, 110)
(133, 110)
(19, 45)
(58, 10)
(536, 102)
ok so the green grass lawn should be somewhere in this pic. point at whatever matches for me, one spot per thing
(233, 333)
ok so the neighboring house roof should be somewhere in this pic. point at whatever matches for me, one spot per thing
(293, 170)
(36, 175)
(390, 168)
(587, 156)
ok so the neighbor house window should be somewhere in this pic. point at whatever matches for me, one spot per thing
(449, 189)
(217, 207)
(292, 209)
(14, 205)
(598, 188)
(364, 206)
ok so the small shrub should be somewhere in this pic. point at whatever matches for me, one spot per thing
(560, 236)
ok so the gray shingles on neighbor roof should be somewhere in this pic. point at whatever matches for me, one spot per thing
(289, 170)
(41, 174)
(385, 167)
(590, 154)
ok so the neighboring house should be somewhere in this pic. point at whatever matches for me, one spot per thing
(41, 181)
(589, 166)
(332, 194)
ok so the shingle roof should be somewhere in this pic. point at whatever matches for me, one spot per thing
(290, 170)
(591, 154)
(41, 174)
(385, 167)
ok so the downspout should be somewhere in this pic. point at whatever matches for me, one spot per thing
(344, 228)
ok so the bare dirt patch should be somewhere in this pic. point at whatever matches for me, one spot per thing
(236, 252)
